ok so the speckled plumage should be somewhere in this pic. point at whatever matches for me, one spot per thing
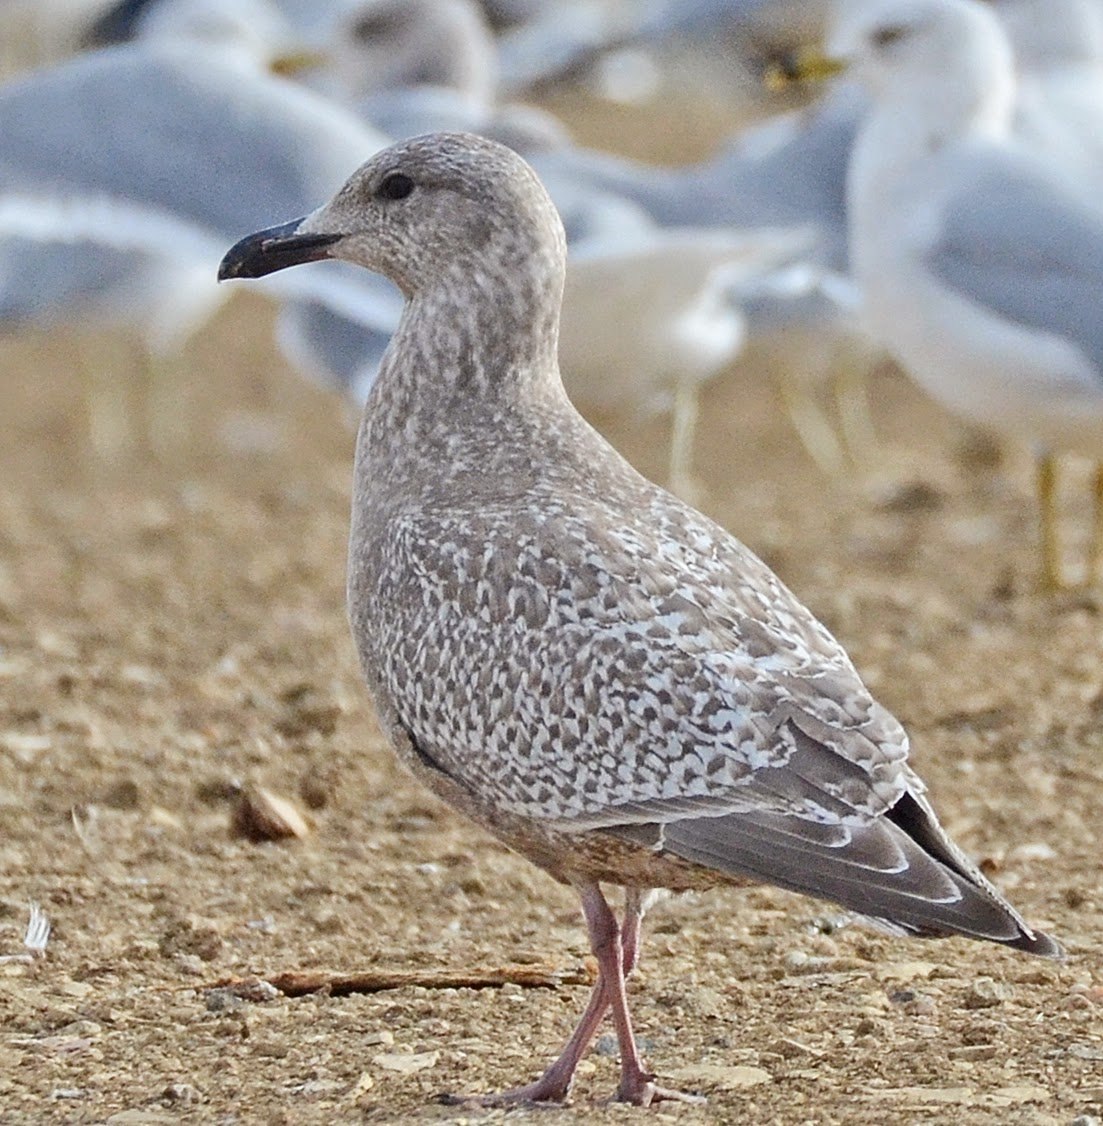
(589, 668)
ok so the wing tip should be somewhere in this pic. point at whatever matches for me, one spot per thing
(1038, 943)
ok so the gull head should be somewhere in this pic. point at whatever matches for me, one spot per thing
(444, 209)
(895, 47)
(382, 44)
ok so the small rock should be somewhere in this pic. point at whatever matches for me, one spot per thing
(68, 1093)
(255, 990)
(223, 1000)
(308, 710)
(261, 815)
(182, 1094)
(406, 1064)
(138, 1117)
(26, 748)
(363, 1085)
(910, 496)
(384, 1037)
(1086, 1120)
(912, 1002)
(720, 1077)
(906, 971)
(271, 1049)
(124, 794)
(972, 1052)
(186, 937)
(315, 790)
(984, 993)
(606, 1045)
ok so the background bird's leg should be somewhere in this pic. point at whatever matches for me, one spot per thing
(1095, 558)
(1052, 577)
(637, 1085)
(683, 429)
(850, 388)
(104, 366)
(813, 428)
(166, 405)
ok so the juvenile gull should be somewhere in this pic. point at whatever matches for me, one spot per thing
(585, 666)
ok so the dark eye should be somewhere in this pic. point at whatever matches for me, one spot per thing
(395, 186)
(887, 36)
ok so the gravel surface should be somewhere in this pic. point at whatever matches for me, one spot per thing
(172, 632)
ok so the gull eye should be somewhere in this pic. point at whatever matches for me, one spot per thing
(395, 186)
(887, 36)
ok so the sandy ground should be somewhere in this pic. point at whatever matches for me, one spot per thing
(172, 628)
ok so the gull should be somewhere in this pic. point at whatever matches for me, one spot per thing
(1058, 47)
(649, 318)
(981, 266)
(124, 171)
(591, 670)
(373, 45)
(789, 172)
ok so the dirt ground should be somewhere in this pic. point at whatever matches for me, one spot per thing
(172, 627)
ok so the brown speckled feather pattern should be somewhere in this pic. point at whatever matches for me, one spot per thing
(594, 671)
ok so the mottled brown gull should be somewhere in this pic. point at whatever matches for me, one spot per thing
(590, 669)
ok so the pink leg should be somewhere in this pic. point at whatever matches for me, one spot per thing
(617, 953)
(555, 1084)
(635, 904)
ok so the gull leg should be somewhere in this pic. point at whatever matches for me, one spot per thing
(617, 953)
(637, 1085)
(1095, 558)
(815, 432)
(1052, 577)
(683, 429)
(850, 389)
(635, 905)
(555, 1084)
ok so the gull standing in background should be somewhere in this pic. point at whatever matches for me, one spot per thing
(980, 264)
(1058, 46)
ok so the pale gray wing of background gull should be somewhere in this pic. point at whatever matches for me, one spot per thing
(1020, 247)
(790, 172)
(337, 346)
(163, 153)
(561, 41)
(337, 350)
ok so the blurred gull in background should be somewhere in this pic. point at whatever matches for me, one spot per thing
(1058, 46)
(980, 263)
(123, 171)
(648, 318)
(376, 45)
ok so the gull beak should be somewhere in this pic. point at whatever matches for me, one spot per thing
(288, 64)
(804, 65)
(272, 249)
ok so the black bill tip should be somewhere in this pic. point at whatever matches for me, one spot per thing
(272, 249)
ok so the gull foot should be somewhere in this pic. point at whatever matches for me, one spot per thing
(540, 1093)
(642, 1091)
